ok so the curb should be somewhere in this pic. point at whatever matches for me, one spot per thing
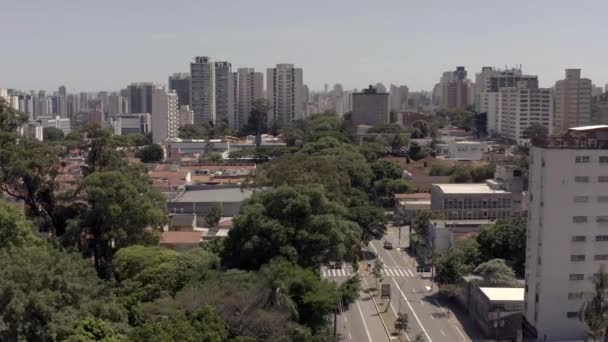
(388, 334)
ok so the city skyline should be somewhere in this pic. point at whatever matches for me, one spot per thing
(355, 45)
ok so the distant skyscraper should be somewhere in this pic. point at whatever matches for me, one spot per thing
(285, 92)
(370, 107)
(84, 102)
(117, 104)
(180, 83)
(250, 87)
(398, 97)
(165, 120)
(140, 97)
(73, 105)
(185, 116)
(572, 101)
(456, 89)
(225, 101)
(202, 93)
(62, 102)
(102, 96)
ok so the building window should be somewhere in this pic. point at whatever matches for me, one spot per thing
(583, 159)
(600, 257)
(575, 295)
(602, 199)
(581, 199)
(577, 276)
(579, 219)
(579, 238)
(601, 238)
(572, 314)
(602, 179)
(577, 257)
(581, 179)
(602, 219)
(603, 159)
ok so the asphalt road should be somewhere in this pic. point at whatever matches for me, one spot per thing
(410, 294)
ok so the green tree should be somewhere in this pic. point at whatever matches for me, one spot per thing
(481, 173)
(401, 324)
(423, 127)
(505, 239)
(52, 134)
(215, 157)
(257, 123)
(377, 272)
(139, 139)
(213, 216)
(461, 175)
(349, 290)
(91, 329)
(594, 312)
(192, 132)
(15, 229)
(10, 119)
(398, 142)
(372, 151)
(536, 132)
(496, 273)
(297, 223)
(371, 220)
(415, 151)
(44, 291)
(457, 262)
(121, 205)
(386, 169)
(150, 154)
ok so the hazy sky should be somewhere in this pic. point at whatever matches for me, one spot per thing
(106, 44)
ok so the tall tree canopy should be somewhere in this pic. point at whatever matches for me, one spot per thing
(505, 239)
(297, 223)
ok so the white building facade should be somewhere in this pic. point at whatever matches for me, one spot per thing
(520, 107)
(567, 238)
(250, 87)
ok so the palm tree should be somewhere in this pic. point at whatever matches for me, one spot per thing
(594, 312)
(401, 324)
(275, 282)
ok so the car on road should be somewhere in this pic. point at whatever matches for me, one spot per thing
(388, 245)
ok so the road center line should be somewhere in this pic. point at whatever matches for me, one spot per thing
(461, 334)
(413, 312)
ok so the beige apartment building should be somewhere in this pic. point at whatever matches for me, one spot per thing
(572, 101)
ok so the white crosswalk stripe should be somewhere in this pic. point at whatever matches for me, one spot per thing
(401, 273)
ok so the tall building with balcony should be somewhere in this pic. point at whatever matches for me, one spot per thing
(202, 90)
(520, 107)
(567, 237)
(180, 83)
(456, 89)
(250, 87)
(165, 117)
(225, 94)
(572, 101)
(285, 92)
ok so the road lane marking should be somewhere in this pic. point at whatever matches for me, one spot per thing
(350, 337)
(442, 333)
(413, 312)
(411, 273)
(461, 334)
(369, 337)
(402, 273)
(390, 272)
(388, 334)
(439, 305)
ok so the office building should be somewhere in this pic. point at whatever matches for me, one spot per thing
(370, 107)
(73, 105)
(180, 83)
(138, 123)
(501, 197)
(164, 115)
(285, 92)
(572, 101)
(140, 97)
(225, 94)
(567, 238)
(202, 92)
(84, 102)
(117, 104)
(33, 130)
(96, 117)
(520, 107)
(398, 97)
(250, 87)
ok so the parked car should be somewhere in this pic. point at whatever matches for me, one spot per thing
(388, 245)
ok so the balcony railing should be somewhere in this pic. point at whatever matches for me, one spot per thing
(571, 143)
